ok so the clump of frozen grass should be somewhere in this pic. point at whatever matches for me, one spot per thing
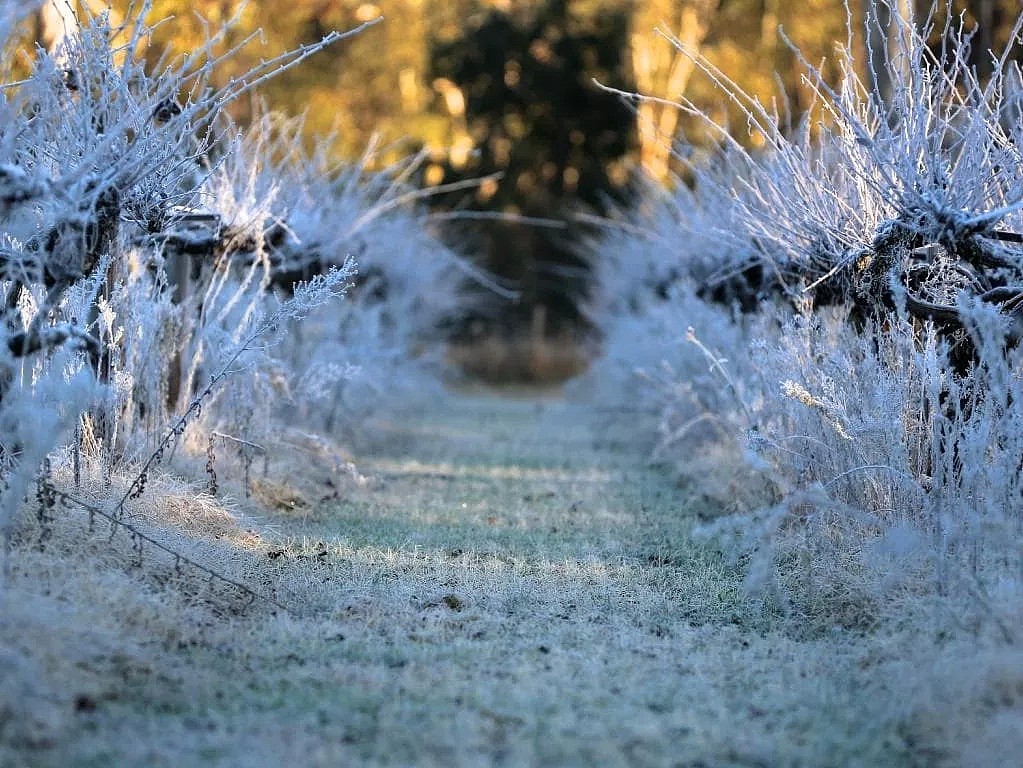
(388, 335)
(638, 267)
(649, 266)
(875, 391)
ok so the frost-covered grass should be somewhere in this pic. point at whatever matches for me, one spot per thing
(477, 580)
(490, 589)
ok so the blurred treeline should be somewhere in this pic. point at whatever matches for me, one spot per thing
(502, 91)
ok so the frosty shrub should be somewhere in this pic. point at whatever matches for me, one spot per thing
(642, 279)
(862, 364)
(290, 213)
(104, 165)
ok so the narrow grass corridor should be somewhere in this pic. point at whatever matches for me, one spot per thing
(503, 581)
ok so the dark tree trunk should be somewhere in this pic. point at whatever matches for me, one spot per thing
(985, 14)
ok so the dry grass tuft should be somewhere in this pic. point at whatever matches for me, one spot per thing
(280, 496)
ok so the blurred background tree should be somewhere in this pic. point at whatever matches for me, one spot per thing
(505, 87)
(389, 81)
(520, 86)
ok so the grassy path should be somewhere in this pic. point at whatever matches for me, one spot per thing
(511, 585)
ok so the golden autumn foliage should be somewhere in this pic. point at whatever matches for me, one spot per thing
(382, 83)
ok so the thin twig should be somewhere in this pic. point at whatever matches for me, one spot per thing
(239, 441)
(175, 431)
